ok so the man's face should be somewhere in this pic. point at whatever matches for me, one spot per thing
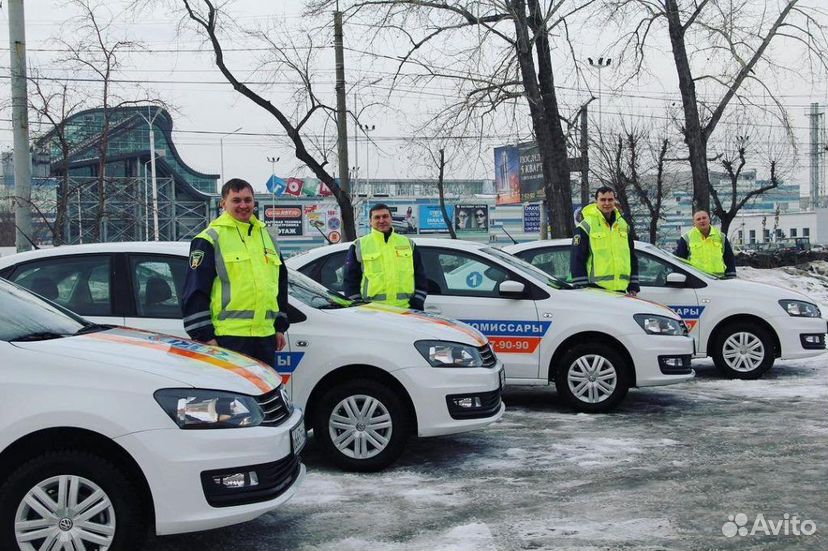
(381, 220)
(239, 204)
(702, 221)
(606, 202)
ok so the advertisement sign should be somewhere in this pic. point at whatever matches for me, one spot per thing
(431, 218)
(472, 218)
(286, 218)
(531, 217)
(507, 175)
(404, 218)
(324, 219)
(531, 172)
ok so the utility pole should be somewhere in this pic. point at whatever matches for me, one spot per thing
(584, 158)
(341, 110)
(20, 127)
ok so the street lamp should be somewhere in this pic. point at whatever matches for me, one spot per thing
(151, 123)
(221, 147)
(600, 63)
(272, 161)
(155, 155)
(366, 128)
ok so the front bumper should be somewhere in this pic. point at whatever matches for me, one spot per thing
(648, 352)
(790, 331)
(430, 387)
(173, 461)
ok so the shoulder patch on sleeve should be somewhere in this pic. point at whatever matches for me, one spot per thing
(576, 240)
(195, 259)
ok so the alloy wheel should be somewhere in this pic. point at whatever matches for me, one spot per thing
(743, 352)
(360, 426)
(592, 378)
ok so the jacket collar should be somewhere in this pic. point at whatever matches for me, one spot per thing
(592, 211)
(226, 220)
(376, 234)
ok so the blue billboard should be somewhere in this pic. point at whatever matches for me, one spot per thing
(431, 218)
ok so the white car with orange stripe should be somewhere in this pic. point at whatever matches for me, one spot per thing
(368, 377)
(593, 345)
(743, 325)
(106, 432)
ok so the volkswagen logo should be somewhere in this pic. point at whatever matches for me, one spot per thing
(65, 524)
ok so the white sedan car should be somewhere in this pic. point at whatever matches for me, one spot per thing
(743, 325)
(105, 432)
(594, 345)
(367, 377)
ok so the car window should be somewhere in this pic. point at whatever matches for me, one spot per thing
(310, 292)
(524, 267)
(653, 271)
(462, 274)
(157, 283)
(81, 284)
(554, 262)
(332, 271)
(26, 316)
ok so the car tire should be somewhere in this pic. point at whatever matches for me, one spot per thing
(592, 377)
(743, 350)
(68, 476)
(362, 425)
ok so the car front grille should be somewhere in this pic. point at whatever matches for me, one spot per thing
(488, 355)
(275, 409)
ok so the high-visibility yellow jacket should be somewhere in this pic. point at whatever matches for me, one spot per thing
(706, 253)
(609, 263)
(244, 297)
(387, 268)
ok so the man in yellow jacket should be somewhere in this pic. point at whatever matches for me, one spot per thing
(235, 292)
(385, 266)
(707, 248)
(602, 251)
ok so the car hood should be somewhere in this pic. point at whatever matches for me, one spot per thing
(759, 291)
(186, 362)
(622, 304)
(378, 320)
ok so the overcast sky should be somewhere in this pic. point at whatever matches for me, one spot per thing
(176, 66)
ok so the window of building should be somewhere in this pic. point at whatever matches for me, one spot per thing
(806, 232)
(752, 237)
(793, 232)
(765, 235)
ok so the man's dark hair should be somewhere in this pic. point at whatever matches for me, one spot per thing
(235, 184)
(605, 189)
(379, 206)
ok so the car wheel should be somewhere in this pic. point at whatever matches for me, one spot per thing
(362, 425)
(744, 351)
(592, 377)
(70, 500)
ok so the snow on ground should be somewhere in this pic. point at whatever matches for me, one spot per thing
(812, 281)
(665, 471)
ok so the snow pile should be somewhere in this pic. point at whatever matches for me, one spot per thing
(810, 279)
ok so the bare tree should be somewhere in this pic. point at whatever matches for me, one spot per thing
(721, 50)
(441, 192)
(727, 203)
(498, 54)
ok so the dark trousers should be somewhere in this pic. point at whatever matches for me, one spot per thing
(261, 348)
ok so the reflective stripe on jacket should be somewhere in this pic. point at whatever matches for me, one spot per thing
(609, 263)
(244, 297)
(387, 268)
(706, 254)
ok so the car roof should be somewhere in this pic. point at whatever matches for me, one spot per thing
(177, 248)
(317, 252)
(528, 245)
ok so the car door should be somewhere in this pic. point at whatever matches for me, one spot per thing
(464, 286)
(82, 284)
(652, 276)
(155, 285)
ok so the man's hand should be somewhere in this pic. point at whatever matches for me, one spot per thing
(632, 293)
(281, 342)
(212, 342)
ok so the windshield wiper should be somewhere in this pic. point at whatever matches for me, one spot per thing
(92, 328)
(37, 336)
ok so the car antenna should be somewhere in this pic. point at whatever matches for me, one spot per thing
(33, 244)
(509, 235)
(319, 229)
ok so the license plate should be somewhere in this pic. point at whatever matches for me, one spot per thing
(298, 437)
(502, 374)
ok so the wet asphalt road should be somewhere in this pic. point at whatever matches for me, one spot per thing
(666, 471)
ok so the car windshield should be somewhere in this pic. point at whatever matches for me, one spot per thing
(521, 265)
(28, 317)
(315, 295)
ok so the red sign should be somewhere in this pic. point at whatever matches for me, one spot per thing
(335, 237)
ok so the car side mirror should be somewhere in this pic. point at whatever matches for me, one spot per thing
(511, 289)
(676, 279)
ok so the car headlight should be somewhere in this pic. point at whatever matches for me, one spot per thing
(449, 354)
(800, 308)
(660, 325)
(192, 408)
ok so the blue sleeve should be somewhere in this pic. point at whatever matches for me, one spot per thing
(282, 321)
(682, 251)
(198, 285)
(729, 259)
(417, 302)
(352, 275)
(578, 256)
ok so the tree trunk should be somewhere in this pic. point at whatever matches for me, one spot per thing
(693, 133)
(441, 192)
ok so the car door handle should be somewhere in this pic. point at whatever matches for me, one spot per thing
(433, 310)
